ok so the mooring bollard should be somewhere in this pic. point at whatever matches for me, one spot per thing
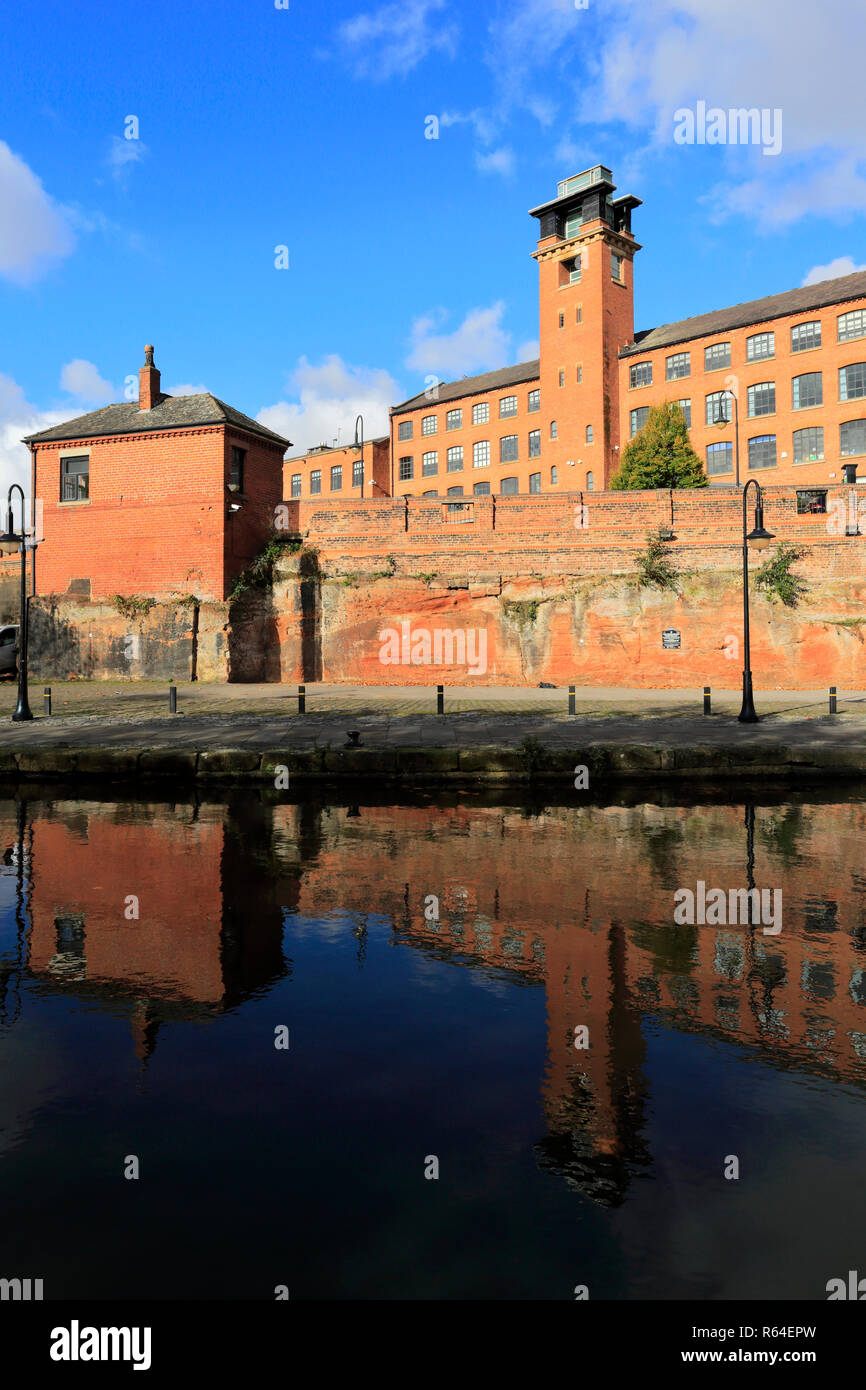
(172, 699)
(832, 699)
(302, 699)
(571, 708)
(440, 699)
(707, 693)
(46, 700)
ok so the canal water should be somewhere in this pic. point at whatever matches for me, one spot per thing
(457, 1048)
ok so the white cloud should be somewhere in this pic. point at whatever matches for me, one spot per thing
(842, 265)
(528, 351)
(122, 153)
(395, 38)
(778, 199)
(499, 161)
(327, 398)
(34, 231)
(186, 390)
(479, 344)
(18, 418)
(82, 380)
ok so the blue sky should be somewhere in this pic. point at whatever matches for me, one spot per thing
(304, 127)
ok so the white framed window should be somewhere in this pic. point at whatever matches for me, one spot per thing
(430, 463)
(481, 453)
(428, 424)
(481, 413)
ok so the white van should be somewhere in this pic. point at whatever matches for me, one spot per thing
(8, 650)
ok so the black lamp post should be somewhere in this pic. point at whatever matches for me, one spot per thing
(721, 418)
(359, 444)
(22, 709)
(760, 538)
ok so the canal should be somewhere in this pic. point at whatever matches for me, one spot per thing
(457, 1048)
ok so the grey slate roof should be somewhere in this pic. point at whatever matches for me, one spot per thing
(773, 306)
(171, 413)
(472, 386)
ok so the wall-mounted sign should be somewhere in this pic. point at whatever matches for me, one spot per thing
(671, 639)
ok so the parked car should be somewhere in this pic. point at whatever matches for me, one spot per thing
(8, 650)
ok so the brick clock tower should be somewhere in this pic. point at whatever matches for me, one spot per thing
(586, 314)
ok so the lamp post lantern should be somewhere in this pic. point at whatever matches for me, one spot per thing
(9, 538)
(359, 444)
(721, 418)
(759, 537)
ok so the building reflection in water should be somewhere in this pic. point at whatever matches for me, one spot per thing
(575, 901)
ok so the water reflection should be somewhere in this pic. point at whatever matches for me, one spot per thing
(576, 902)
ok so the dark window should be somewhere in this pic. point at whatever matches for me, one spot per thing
(589, 435)
(720, 459)
(678, 365)
(508, 485)
(404, 429)
(852, 438)
(75, 478)
(562, 378)
(296, 484)
(811, 501)
(71, 935)
(809, 444)
(455, 491)
(455, 458)
(407, 469)
(719, 355)
(534, 400)
(562, 320)
(686, 408)
(762, 399)
(590, 482)
(430, 464)
(534, 444)
(805, 336)
(616, 266)
(454, 419)
(852, 382)
(535, 482)
(638, 419)
(508, 448)
(316, 480)
(553, 429)
(357, 472)
(554, 475)
(481, 489)
(762, 451)
(760, 346)
(432, 493)
(807, 390)
(336, 477)
(236, 478)
(641, 374)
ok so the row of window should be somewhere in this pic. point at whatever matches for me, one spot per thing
(336, 478)
(480, 415)
(808, 448)
(759, 347)
(807, 391)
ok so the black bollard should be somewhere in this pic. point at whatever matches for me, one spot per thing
(571, 708)
(172, 699)
(302, 699)
(46, 701)
(707, 708)
(832, 699)
(440, 699)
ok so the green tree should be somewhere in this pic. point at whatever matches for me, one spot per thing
(661, 455)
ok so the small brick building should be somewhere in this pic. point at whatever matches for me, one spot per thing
(164, 496)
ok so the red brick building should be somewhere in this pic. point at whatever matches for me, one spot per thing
(558, 423)
(165, 496)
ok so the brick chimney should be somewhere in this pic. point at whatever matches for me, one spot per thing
(149, 393)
